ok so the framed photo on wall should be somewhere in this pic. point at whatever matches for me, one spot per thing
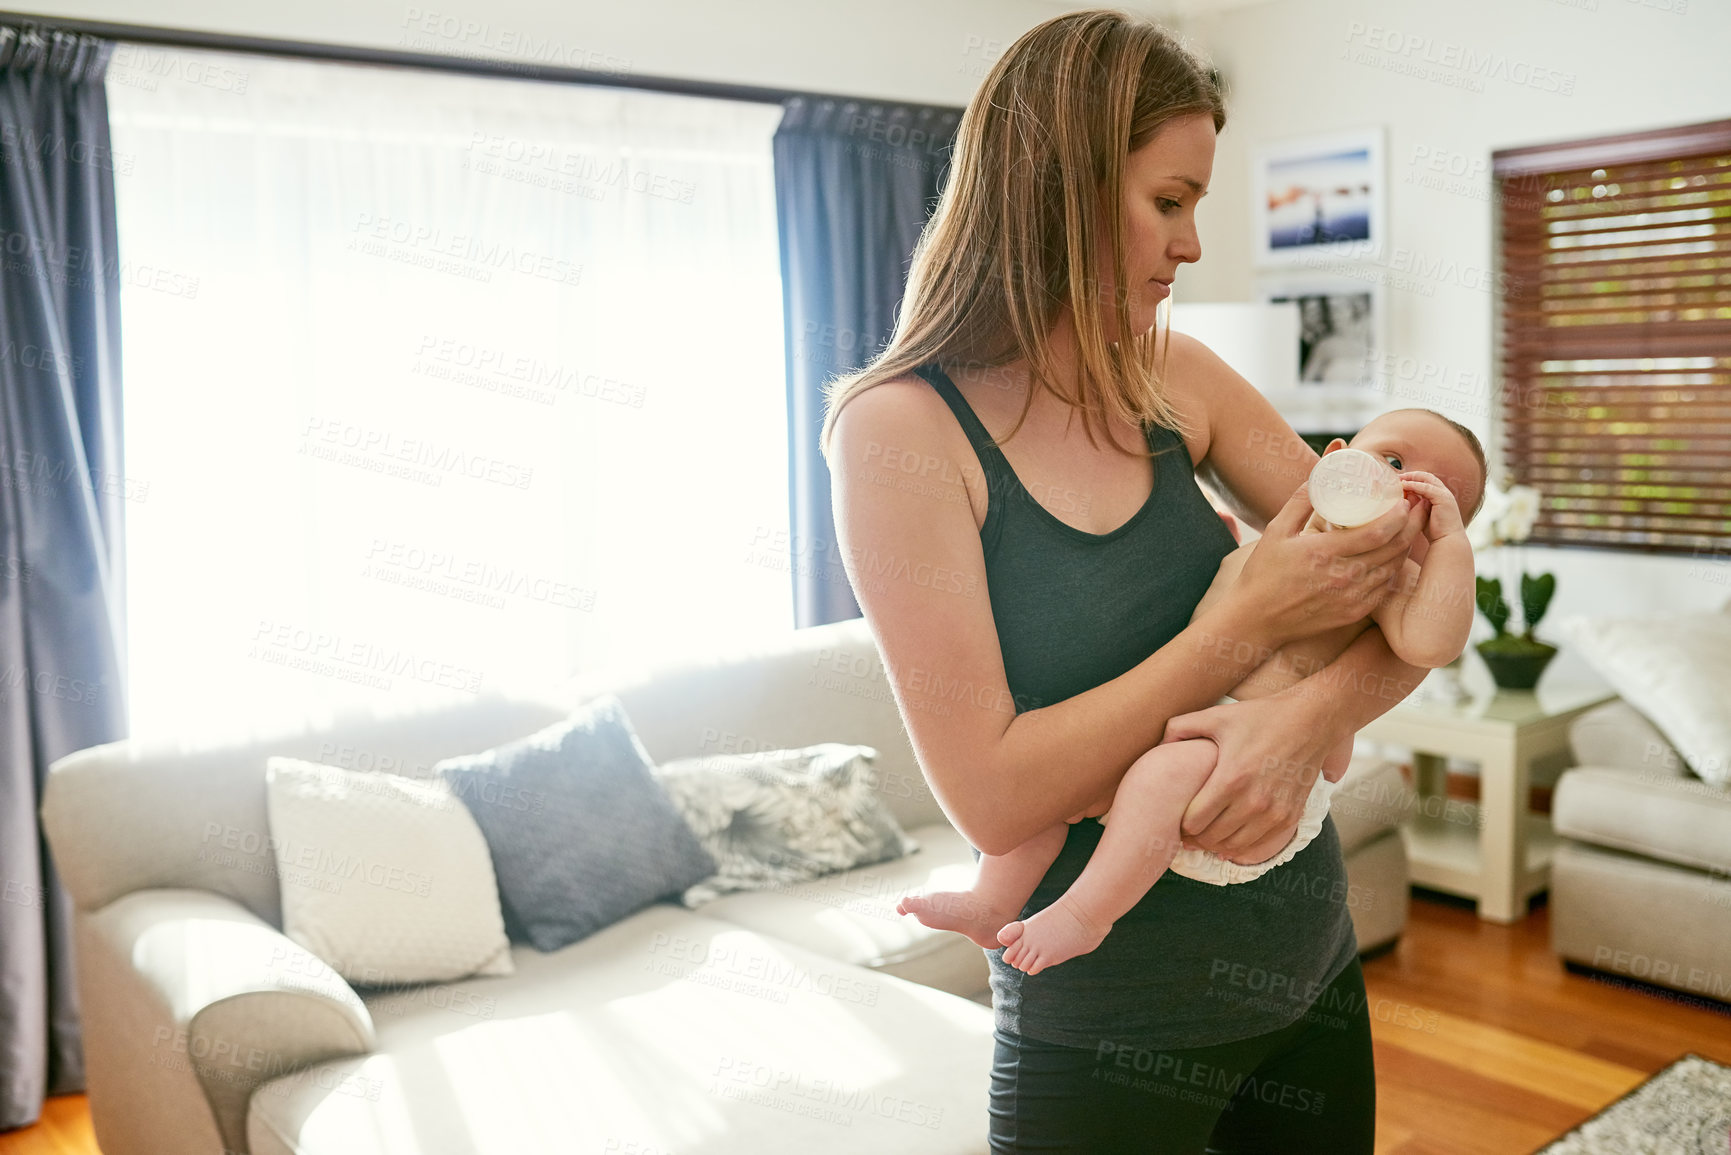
(1340, 327)
(1342, 332)
(1319, 197)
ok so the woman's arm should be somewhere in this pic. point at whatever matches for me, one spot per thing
(911, 547)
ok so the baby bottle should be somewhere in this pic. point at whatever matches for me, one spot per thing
(1349, 487)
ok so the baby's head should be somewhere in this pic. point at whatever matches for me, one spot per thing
(1426, 440)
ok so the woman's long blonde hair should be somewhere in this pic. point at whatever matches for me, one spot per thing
(1013, 238)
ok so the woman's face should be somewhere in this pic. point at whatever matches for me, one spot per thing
(1163, 180)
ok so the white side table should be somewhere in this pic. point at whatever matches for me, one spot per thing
(1495, 851)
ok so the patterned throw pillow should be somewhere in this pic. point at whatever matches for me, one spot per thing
(780, 817)
(580, 832)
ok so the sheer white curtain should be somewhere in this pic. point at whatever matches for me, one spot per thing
(439, 384)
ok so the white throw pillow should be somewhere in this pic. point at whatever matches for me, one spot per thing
(1675, 669)
(385, 878)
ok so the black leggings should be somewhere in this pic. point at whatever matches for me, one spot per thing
(1308, 1087)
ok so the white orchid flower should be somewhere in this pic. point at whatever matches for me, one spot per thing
(1516, 522)
(1506, 517)
(1482, 533)
(1482, 530)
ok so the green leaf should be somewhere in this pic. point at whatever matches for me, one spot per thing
(1491, 603)
(1536, 596)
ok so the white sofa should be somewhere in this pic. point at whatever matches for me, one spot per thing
(810, 1019)
(1641, 876)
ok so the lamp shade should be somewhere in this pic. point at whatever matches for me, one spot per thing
(1258, 339)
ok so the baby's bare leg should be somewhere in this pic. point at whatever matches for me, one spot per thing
(1141, 839)
(1000, 890)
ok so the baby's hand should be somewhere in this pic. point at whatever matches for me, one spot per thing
(1445, 513)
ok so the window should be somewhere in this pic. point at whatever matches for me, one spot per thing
(1615, 330)
(441, 384)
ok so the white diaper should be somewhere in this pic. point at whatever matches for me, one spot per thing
(1206, 866)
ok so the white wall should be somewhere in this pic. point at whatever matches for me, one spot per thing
(1295, 67)
(911, 50)
(1299, 67)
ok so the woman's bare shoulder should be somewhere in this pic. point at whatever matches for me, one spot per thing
(1188, 362)
(901, 402)
(896, 417)
(904, 427)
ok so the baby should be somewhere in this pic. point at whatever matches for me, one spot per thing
(1425, 617)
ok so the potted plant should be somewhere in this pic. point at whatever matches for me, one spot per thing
(1515, 659)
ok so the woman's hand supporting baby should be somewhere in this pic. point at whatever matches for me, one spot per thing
(1272, 748)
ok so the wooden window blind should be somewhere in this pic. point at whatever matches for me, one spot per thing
(1614, 327)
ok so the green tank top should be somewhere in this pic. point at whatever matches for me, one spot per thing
(1192, 964)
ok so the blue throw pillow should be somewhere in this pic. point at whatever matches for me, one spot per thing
(580, 831)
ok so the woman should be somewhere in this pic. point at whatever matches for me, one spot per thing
(1030, 591)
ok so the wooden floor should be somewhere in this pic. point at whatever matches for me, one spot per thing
(1522, 1049)
(1485, 1044)
(63, 1129)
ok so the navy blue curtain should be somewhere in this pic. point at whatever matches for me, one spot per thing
(63, 491)
(855, 182)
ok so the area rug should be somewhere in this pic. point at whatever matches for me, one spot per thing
(1685, 1109)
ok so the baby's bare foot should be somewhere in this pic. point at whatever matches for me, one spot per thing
(1054, 935)
(959, 910)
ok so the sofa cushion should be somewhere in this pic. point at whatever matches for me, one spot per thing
(1378, 894)
(667, 1031)
(851, 915)
(1372, 798)
(1674, 819)
(780, 817)
(1617, 736)
(581, 833)
(1676, 669)
(384, 878)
